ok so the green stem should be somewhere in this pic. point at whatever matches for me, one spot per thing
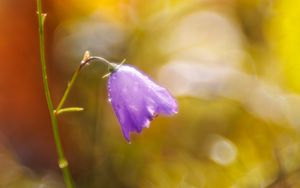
(85, 61)
(62, 161)
(68, 109)
(66, 94)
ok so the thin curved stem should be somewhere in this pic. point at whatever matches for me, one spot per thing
(85, 61)
(100, 59)
(62, 161)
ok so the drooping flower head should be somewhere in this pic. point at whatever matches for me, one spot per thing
(136, 99)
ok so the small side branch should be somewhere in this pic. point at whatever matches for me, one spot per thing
(69, 109)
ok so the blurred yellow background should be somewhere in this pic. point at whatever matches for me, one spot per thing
(233, 66)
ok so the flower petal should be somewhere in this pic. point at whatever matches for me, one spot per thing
(136, 99)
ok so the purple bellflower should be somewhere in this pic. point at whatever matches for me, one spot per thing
(136, 99)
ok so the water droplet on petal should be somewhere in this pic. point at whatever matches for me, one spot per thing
(146, 124)
(151, 110)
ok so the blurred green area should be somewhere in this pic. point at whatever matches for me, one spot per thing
(233, 65)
